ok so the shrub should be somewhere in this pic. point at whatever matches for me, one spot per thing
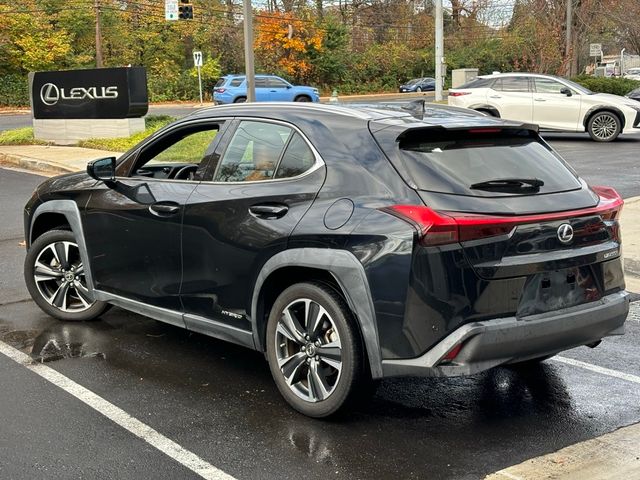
(14, 90)
(616, 86)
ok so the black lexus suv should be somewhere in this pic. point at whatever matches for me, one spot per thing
(348, 244)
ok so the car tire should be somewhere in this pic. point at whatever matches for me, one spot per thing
(56, 280)
(302, 98)
(318, 367)
(604, 126)
(240, 100)
(419, 89)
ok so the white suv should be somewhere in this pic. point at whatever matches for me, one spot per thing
(551, 102)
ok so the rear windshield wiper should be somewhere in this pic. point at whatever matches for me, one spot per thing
(509, 184)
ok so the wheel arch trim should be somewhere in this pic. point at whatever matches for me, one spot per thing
(487, 107)
(350, 275)
(604, 108)
(71, 212)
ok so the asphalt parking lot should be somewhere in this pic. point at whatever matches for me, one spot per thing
(213, 407)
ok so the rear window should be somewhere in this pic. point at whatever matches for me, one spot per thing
(221, 81)
(451, 162)
(477, 83)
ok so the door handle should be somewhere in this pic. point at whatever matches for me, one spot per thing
(166, 209)
(495, 96)
(268, 212)
(539, 99)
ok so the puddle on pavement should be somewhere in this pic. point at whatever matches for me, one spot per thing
(55, 342)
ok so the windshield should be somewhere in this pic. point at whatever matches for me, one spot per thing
(578, 87)
(454, 162)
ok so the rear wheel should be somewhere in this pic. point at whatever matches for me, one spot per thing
(419, 89)
(56, 278)
(604, 126)
(240, 100)
(313, 348)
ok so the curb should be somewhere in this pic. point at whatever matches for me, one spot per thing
(29, 163)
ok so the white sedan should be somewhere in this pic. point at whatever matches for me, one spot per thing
(554, 103)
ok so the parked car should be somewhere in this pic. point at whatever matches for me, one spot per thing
(553, 103)
(348, 244)
(418, 85)
(634, 94)
(632, 73)
(269, 88)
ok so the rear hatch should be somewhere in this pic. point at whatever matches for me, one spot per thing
(514, 206)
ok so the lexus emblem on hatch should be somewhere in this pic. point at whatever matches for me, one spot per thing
(565, 233)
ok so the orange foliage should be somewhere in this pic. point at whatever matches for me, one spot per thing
(283, 42)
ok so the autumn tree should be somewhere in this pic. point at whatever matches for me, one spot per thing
(284, 43)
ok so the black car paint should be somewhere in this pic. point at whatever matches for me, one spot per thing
(209, 266)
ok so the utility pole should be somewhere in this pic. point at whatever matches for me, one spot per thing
(439, 49)
(567, 46)
(98, 36)
(248, 51)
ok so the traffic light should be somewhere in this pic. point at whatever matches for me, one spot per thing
(185, 10)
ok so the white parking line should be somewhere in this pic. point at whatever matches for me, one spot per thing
(119, 416)
(595, 368)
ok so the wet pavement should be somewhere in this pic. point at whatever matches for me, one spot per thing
(218, 400)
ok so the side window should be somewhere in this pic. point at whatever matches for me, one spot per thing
(297, 158)
(261, 82)
(253, 153)
(512, 84)
(236, 82)
(544, 85)
(277, 83)
(180, 152)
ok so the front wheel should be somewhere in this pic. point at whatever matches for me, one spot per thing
(302, 98)
(56, 278)
(604, 126)
(314, 352)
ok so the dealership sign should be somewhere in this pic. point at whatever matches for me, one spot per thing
(95, 93)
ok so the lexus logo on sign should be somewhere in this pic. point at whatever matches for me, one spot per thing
(565, 233)
(50, 94)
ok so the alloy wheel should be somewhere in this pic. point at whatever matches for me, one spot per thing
(604, 126)
(308, 350)
(60, 278)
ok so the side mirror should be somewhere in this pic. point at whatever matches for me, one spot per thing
(289, 86)
(103, 169)
(566, 91)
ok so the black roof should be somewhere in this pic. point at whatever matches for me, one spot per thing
(408, 115)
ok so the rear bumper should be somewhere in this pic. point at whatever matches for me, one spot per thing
(506, 340)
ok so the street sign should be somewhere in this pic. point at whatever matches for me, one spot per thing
(595, 49)
(197, 59)
(171, 9)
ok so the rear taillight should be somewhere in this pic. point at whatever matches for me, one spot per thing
(438, 228)
(220, 90)
(610, 200)
(441, 228)
(458, 94)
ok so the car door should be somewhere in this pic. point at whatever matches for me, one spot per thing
(133, 226)
(262, 89)
(553, 109)
(279, 90)
(264, 182)
(512, 97)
